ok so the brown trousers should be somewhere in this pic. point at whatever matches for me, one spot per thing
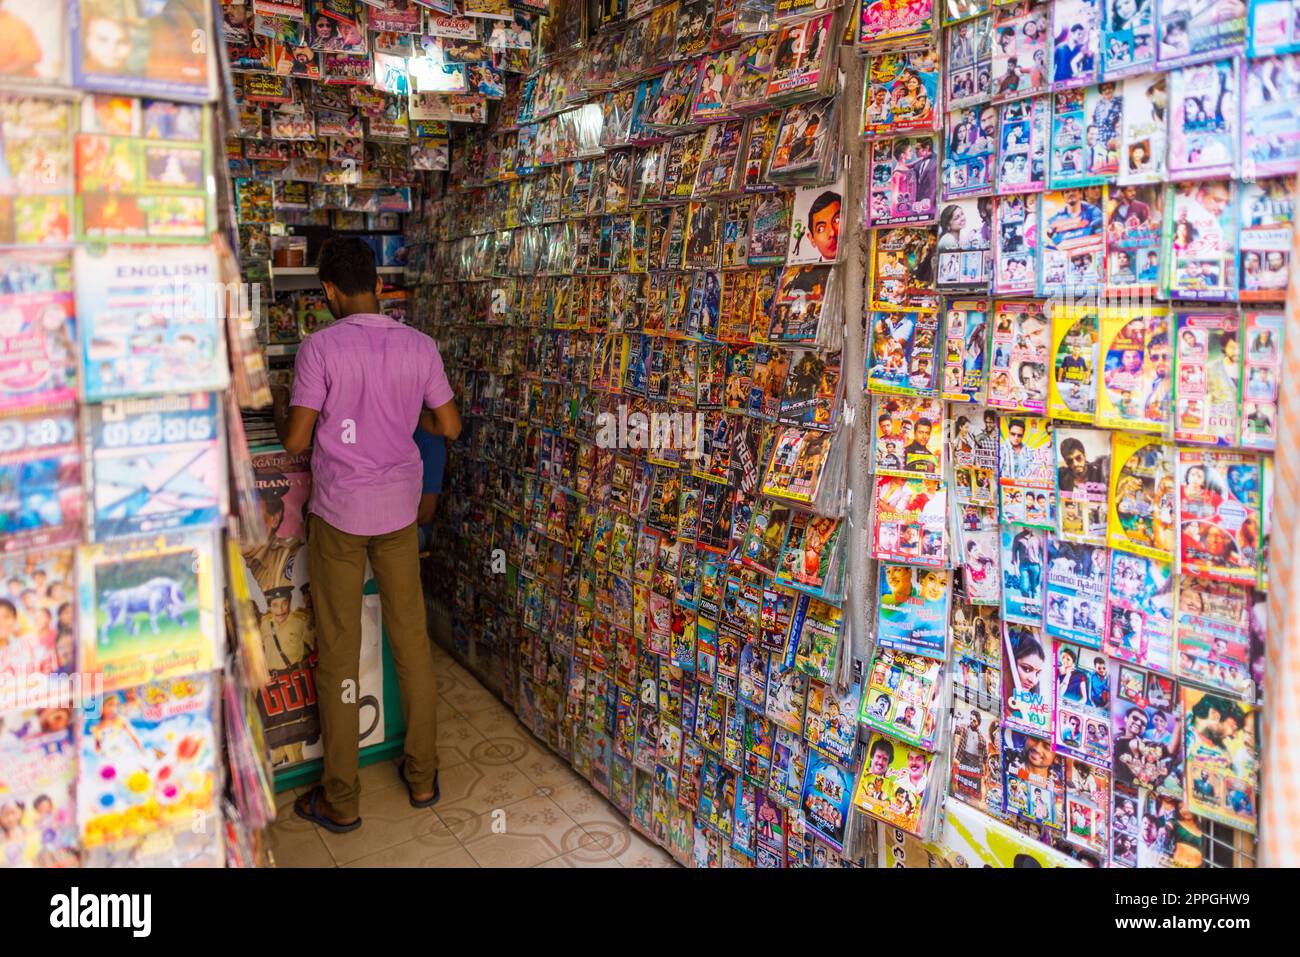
(337, 564)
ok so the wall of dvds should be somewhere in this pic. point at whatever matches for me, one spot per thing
(125, 736)
(1054, 418)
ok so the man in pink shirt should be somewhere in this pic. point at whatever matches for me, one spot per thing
(362, 385)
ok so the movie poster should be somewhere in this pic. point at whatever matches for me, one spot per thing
(1200, 240)
(1142, 496)
(913, 612)
(142, 49)
(1219, 514)
(1140, 611)
(1015, 245)
(1208, 357)
(1072, 244)
(1203, 127)
(1018, 369)
(1136, 382)
(1144, 140)
(1082, 481)
(974, 445)
(965, 345)
(1263, 358)
(1222, 744)
(1146, 713)
(1023, 552)
(910, 521)
(1264, 251)
(1073, 393)
(903, 185)
(1025, 131)
(1213, 636)
(1076, 591)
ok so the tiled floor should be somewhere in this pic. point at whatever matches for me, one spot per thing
(507, 801)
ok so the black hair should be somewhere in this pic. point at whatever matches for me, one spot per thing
(349, 264)
(828, 198)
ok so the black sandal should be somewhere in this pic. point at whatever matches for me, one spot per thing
(410, 794)
(314, 815)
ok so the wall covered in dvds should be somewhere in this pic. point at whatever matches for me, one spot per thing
(124, 680)
(870, 419)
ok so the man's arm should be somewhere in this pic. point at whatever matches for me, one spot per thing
(444, 421)
(294, 424)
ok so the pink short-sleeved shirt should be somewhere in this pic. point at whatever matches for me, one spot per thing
(368, 376)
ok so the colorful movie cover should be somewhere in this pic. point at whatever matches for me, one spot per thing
(978, 535)
(902, 353)
(1200, 240)
(1142, 498)
(809, 559)
(1076, 43)
(155, 465)
(965, 248)
(970, 151)
(825, 799)
(1072, 247)
(1128, 43)
(1076, 590)
(974, 444)
(1270, 117)
(1087, 805)
(1134, 217)
(1146, 723)
(38, 620)
(1034, 778)
(1264, 257)
(913, 612)
(1086, 130)
(1025, 130)
(1027, 681)
(1144, 139)
(977, 757)
(1023, 551)
(965, 345)
(1262, 374)
(1272, 28)
(895, 22)
(908, 436)
(968, 65)
(1208, 375)
(815, 217)
(1072, 395)
(901, 94)
(1203, 127)
(901, 697)
(1222, 745)
(1135, 389)
(1020, 343)
(1083, 483)
(37, 787)
(903, 186)
(140, 51)
(1219, 514)
(1213, 636)
(1191, 32)
(41, 497)
(910, 521)
(1020, 50)
(831, 723)
(148, 760)
(1140, 611)
(1015, 245)
(894, 782)
(902, 269)
(1026, 470)
(1082, 702)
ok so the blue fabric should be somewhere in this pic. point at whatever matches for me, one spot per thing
(433, 453)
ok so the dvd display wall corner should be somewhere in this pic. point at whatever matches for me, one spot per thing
(1079, 221)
